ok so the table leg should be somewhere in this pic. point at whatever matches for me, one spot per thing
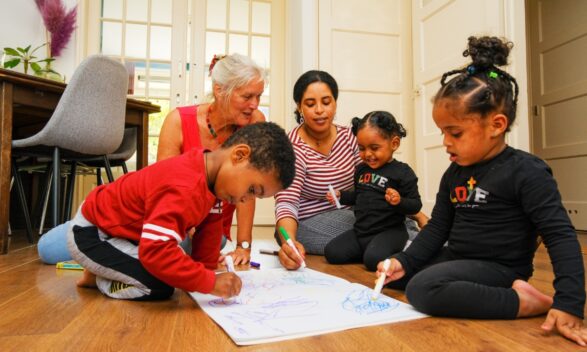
(5, 163)
(143, 142)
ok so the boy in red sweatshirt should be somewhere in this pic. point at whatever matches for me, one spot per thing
(126, 234)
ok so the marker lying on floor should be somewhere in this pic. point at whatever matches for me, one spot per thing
(267, 251)
(69, 265)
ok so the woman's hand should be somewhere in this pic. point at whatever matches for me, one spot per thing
(392, 196)
(241, 255)
(289, 258)
(567, 325)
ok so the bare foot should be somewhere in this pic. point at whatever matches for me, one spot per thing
(532, 301)
(87, 280)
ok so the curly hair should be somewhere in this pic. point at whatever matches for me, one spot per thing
(384, 121)
(270, 149)
(483, 87)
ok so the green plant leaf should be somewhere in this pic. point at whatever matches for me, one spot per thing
(11, 63)
(37, 48)
(11, 52)
(36, 67)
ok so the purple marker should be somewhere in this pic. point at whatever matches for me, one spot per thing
(256, 265)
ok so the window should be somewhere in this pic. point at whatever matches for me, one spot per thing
(168, 45)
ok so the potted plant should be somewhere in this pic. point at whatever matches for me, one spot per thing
(27, 57)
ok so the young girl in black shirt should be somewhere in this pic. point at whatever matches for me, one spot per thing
(492, 203)
(385, 191)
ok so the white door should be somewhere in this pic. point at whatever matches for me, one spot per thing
(366, 46)
(440, 31)
(558, 52)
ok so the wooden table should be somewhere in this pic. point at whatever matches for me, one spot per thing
(26, 104)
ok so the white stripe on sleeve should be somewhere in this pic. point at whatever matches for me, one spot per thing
(163, 231)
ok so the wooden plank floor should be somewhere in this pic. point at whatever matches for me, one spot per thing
(41, 309)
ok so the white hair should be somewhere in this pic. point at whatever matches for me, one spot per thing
(234, 71)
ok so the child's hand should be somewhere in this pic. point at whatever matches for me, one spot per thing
(396, 271)
(330, 199)
(288, 257)
(227, 285)
(241, 255)
(567, 325)
(392, 196)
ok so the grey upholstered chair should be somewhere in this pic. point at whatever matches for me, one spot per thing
(117, 159)
(88, 120)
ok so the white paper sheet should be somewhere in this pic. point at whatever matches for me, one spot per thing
(278, 304)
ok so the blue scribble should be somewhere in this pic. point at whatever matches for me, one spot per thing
(359, 301)
(265, 315)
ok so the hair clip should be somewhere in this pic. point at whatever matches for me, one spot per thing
(215, 59)
(492, 74)
(471, 69)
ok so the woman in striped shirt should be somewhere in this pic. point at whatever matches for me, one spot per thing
(326, 154)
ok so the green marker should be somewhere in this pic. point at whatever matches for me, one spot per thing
(291, 244)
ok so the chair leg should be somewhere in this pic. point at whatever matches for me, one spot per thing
(43, 201)
(124, 168)
(23, 202)
(56, 186)
(98, 176)
(108, 169)
(70, 189)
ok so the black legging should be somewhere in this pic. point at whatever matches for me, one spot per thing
(370, 250)
(462, 288)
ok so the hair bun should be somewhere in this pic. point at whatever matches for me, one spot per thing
(488, 51)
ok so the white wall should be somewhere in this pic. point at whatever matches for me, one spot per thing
(301, 50)
(21, 25)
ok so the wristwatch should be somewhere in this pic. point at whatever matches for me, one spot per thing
(244, 245)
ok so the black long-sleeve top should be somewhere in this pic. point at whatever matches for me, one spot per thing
(494, 211)
(373, 213)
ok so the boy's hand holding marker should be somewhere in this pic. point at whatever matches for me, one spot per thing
(227, 284)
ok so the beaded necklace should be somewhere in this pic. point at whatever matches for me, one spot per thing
(210, 128)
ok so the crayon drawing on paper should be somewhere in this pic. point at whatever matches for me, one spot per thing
(278, 304)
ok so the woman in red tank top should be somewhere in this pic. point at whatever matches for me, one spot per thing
(237, 85)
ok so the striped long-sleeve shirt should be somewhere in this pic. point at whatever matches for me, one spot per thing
(314, 172)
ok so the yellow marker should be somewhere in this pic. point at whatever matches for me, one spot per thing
(69, 266)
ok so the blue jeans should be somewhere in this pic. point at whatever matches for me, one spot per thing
(52, 246)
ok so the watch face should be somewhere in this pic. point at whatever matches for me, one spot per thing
(245, 244)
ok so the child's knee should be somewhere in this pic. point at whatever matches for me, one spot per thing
(331, 254)
(421, 291)
(371, 261)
